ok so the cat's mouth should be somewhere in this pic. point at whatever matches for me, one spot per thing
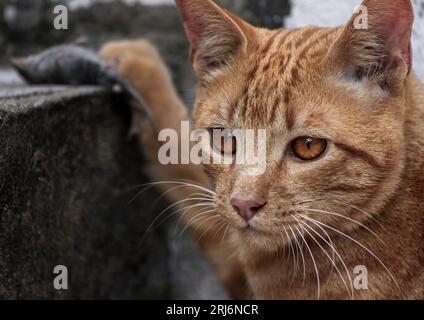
(257, 231)
(251, 230)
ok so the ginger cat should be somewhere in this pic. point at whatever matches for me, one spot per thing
(343, 187)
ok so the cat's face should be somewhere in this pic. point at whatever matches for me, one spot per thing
(333, 119)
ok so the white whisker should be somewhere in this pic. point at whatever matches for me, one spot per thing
(147, 186)
(301, 253)
(291, 250)
(170, 207)
(359, 244)
(207, 229)
(313, 260)
(351, 293)
(345, 217)
(195, 219)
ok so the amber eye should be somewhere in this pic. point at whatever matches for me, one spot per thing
(224, 142)
(308, 148)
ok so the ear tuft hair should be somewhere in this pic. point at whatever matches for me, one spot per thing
(376, 43)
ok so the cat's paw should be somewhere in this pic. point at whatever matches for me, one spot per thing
(141, 64)
(140, 48)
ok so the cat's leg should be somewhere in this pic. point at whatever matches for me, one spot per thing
(141, 64)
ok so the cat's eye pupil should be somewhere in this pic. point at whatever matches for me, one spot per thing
(309, 143)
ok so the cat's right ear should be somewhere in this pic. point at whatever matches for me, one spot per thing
(215, 34)
(376, 43)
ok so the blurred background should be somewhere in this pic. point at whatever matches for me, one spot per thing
(26, 25)
(169, 267)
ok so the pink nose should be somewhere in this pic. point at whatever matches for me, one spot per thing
(247, 208)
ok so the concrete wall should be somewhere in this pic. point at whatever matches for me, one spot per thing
(67, 172)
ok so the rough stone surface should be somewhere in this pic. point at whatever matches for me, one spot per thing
(67, 174)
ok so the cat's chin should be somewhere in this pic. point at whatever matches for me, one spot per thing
(259, 240)
(253, 232)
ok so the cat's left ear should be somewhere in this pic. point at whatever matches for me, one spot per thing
(215, 34)
(376, 43)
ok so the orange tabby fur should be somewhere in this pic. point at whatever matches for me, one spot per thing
(352, 87)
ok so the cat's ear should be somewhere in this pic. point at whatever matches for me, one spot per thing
(376, 43)
(215, 34)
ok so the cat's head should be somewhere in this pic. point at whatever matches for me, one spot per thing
(332, 102)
